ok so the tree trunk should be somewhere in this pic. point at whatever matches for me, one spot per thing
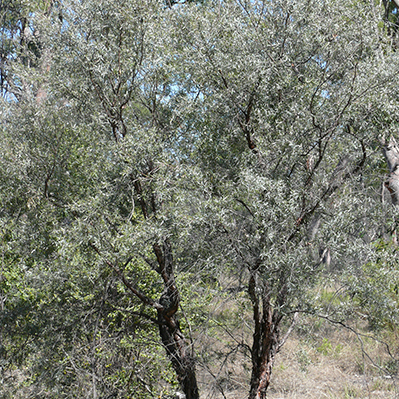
(182, 361)
(178, 352)
(264, 350)
(266, 340)
(391, 153)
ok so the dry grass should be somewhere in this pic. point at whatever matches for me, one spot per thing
(334, 369)
(318, 361)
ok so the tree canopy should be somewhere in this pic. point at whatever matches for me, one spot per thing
(158, 156)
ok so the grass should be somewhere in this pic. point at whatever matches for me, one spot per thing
(318, 361)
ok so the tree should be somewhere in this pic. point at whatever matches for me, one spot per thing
(288, 132)
(391, 19)
(241, 137)
(78, 171)
(22, 47)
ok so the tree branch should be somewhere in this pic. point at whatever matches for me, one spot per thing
(134, 290)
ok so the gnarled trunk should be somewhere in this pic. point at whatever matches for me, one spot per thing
(178, 352)
(266, 339)
(264, 350)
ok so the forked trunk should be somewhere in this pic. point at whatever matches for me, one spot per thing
(264, 350)
(266, 340)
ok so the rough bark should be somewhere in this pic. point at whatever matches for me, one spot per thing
(173, 340)
(177, 349)
(391, 153)
(266, 339)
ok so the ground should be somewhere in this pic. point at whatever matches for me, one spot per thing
(318, 361)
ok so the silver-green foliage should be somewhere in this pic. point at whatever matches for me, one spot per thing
(250, 127)
(290, 107)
